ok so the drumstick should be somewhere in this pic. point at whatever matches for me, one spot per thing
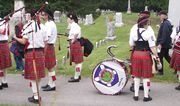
(59, 44)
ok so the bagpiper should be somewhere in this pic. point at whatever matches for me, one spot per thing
(50, 56)
(5, 59)
(142, 41)
(76, 53)
(175, 59)
(36, 37)
(132, 31)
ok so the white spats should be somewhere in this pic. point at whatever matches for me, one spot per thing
(78, 69)
(146, 84)
(178, 73)
(34, 89)
(4, 78)
(52, 78)
(136, 85)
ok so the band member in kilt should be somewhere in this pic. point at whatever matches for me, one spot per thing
(76, 54)
(142, 42)
(35, 35)
(134, 29)
(5, 59)
(175, 59)
(50, 58)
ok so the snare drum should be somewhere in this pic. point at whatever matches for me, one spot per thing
(110, 76)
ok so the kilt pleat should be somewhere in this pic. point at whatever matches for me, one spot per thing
(175, 60)
(76, 52)
(141, 64)
(39, 62)
(5, 57)
(50, 57)
(1, 74)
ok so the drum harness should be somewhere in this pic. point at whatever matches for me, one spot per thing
(126, 61)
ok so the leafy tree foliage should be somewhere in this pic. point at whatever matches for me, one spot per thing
(83, 7)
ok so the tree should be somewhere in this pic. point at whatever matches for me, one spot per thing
(83, 7)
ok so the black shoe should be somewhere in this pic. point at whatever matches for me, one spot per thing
(1, 87)
(45, 86)
(178, 87)
(79, 77)
(147, 99)
(49, 89)
(32, 100)
(5, 85)
(73, 80)
(136, 98)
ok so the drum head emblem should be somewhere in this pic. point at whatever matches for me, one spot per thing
(109, 77)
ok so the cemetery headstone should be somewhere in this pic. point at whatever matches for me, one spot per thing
(118, 19)
(57, 16)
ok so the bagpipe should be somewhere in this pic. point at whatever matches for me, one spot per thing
(20, 31)
(85, 42)
(43, 6)
(17, 48)
(7, 17)
(59, 36)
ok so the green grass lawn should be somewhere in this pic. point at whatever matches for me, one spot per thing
(97, 32)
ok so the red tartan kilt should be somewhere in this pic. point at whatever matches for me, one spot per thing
(175, 61)
(76, 53)
(141, 64)
(50, 57)
(5, 57)
(39, 62)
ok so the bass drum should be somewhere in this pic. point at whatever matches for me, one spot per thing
(110, 77)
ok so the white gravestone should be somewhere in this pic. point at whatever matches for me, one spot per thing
(107, 20)
(110, 30)
(173, 12)
(97, 44)
(89, 20)
(80, 20)
(102, 12)
(146, 8)
(97, 10)
(86, 20)
(57, 16)
(118, 20)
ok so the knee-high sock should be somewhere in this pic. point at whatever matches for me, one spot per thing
(4, 79)
(146, 84)
(78, 69)
(1, 75)
(136, 86)
(52, 78)
(178, 73)
(34, 88)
